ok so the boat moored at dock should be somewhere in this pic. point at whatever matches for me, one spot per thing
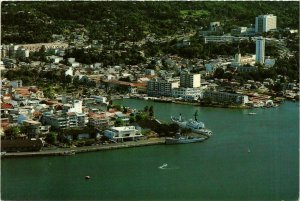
(195, 126)
(183, 140)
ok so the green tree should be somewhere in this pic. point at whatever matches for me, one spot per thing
(138, 117)
(219, 73)
(125, 110)
(151, 112)
(118, 107)
(49, 92)
(131, 119)
(278, 87)
(25, 129)
(146, 108)
(119, 122)
(51, 137)
(68, 79)
(12, 132)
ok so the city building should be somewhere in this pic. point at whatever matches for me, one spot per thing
(187, 93)
(161, 87)
(56, 121)
(239, 31)
(265, 23)
(214, 26)
(243, 60)
(260, 50)
(98, 120)
(190, 80)
(64, 120)
(99, 99)
(217, 96)
(16, 83)
(149, 72)
(122, 133)
(69, 72)
(123, 117)
(36, 128)
(223, 39)
(213, 65)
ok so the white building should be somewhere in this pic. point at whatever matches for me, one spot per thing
(75, 107)
(67, 120)
(265, 23)
(243, 60)
(214, 26)
(100, 99)
(187, 93)
(71, 60)
(123, 132)
(69, 72)
(260, 50)
(75, 64)
(190, 80)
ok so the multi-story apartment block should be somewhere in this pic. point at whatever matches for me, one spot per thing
(161, 87)
(265, 23)
(65, 120)
(55, 120)
(190, 80)
(187, 93)
(225, 97)
(99, 121)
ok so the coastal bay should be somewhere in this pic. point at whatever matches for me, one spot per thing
(217, 169)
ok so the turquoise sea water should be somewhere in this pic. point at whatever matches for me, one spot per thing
(220, 168)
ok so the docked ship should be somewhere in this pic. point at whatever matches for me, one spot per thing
(193, 124)
(183, 140)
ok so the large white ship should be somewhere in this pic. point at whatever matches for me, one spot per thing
(193, 124)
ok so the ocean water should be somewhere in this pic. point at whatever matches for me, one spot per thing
(220, 168)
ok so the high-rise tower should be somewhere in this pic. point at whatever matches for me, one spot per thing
(264, 23)
(260, 50)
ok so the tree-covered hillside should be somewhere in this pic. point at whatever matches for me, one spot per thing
(32, 22)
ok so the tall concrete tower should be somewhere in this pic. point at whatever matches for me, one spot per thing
(260, 50)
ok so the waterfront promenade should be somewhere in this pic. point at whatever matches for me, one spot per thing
(66, 151)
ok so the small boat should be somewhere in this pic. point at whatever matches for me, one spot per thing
(249, 150)
(179, 139)
(163, 166)
(87, 177)
(251, 113)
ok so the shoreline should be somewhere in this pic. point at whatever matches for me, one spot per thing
(75, 150)
(200, 104)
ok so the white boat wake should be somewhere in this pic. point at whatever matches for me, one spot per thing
(165, 167)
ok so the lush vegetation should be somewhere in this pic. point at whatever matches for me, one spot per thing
(34, 22)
